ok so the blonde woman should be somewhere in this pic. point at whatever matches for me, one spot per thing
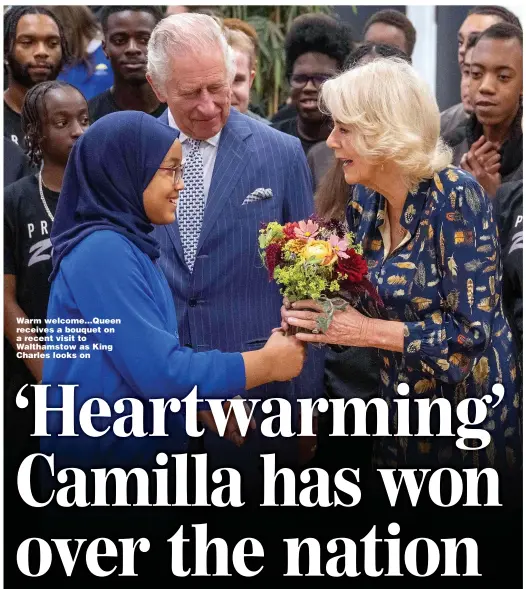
(430, 239)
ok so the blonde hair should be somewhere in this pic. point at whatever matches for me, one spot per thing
(235, 24)
(240, 41)
(392, 116)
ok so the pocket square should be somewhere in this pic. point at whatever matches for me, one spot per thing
(258, 194)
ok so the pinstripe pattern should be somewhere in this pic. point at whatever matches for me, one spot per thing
(236, 306)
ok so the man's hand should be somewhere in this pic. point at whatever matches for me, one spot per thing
(232, 431)
(483, 162)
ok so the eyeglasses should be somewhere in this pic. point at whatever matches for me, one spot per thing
(301, 80)
(178, 172)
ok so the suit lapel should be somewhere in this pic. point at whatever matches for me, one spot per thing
(231, 160)
(175, 237)
(173, 229)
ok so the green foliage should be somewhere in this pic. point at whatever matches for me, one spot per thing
(271, 23)
(357, 247)
(272, 232)
(304, 280)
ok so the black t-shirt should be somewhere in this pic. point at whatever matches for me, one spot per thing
(16, 163)
(27, 255)
(290, 126)
(104, 104)
(508, 203)
(13, 126)
(286, 111)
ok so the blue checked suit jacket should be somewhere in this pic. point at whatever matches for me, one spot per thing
(228, 303)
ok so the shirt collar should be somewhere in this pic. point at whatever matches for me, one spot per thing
(413, 206)
(183, 137)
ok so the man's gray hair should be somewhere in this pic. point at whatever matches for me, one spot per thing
(184, 33)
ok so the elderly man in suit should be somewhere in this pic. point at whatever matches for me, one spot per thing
(239, 173)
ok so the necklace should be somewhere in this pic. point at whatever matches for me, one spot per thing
(42, 197)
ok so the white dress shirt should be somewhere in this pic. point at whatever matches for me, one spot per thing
(208, 150)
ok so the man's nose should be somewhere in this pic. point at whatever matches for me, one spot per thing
(41, 50)
(462, 53)
(487, 84)
(76, 129)
(206, 104)
(309, 86)
(132, 47)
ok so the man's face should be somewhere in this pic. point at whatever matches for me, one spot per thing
(198, 93)
(242, 82)
(390, 35)
(496, 80)
(36, 55)
(474, 23)
(65, 120)
(465, 81)
(126, 43)
(308, 73)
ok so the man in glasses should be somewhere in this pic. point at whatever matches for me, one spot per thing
(315, 48)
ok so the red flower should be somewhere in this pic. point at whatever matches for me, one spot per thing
(354, 267)
(288, 230)
(273, 256)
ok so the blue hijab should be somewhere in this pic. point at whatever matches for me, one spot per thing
(108, 169)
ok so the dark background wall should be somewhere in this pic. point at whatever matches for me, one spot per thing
(448, 19)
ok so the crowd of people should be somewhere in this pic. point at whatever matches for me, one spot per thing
(134, 162)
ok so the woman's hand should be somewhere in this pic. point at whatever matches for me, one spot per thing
(348, 328)
(286, 355)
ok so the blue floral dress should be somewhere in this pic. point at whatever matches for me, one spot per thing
(444, 282)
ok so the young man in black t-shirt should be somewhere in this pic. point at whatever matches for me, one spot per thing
(316, 47)
(127, 30)
(54, 115)
(35, 51)
(508, 204)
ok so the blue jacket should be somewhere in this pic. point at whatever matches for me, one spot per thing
(108, 277)
(228, 303)
(91, 85)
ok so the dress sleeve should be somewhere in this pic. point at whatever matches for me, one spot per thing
(107, 280)
(449, 340)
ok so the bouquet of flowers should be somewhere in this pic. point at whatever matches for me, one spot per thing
(316, 259)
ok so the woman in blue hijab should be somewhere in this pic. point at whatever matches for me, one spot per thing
(124, 175)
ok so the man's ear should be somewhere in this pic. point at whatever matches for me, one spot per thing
(161, 96)
(104, 49)
(252, 76)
